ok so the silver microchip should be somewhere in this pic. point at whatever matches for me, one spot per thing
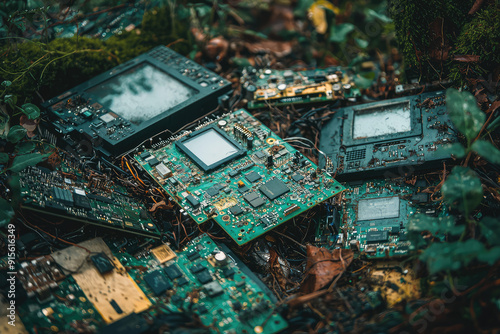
(378, 208)
(163, 170)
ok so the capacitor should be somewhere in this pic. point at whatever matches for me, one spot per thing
(249, 143)
(220, 258)
(250, 91)
(347, 88)
(222, 123)
(270, 162)
(336, 88)
(282, 87)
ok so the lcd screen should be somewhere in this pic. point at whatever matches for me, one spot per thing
(382, 120)
(378, 208)
(141, 93)
(210, 147)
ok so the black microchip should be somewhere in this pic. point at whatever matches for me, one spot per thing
(102, 263)
(157, 282)
(212, 191)
(202, 309)
(193, 201)
(185, 179)
(243, 189)
(254, 199)
(193, 256)
(182, 281)
(153, 162)
(227, 190)
(144, 155)
(297, 177)
(204, 276)
(253, 177)
(236, 306)
(81, 201)
(236, 210)
(403, 237)
(196, 268)
(62, 196)
(420, 198)
(395, 230)
(274, 188)
(173, 271)
(228, 272)
(377, 236)
(234, 173)
(260, 155)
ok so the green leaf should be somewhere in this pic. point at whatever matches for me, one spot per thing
(22, 161)
(455, 149)
(490, 229)
(16, 133)
(371, 14)
(435, 225)
(491, 256)
(25, 147)
(10, 100)
(462, 189)
(4, 158)
(339, 32)
(361, 43)
(464, 113)
(493, 125)
(301, 8)
(486, 150)
(31, 110)
(15, 187)
(364, 81)
(6, 83)
(6, 212)
(451, 255)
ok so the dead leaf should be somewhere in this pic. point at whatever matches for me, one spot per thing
(217, 47)
(323, 266)
(276, 268)
(476, 6)
(466, 58)
(278, 48)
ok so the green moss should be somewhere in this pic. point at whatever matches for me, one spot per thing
(479, 37)
(51, 68)
(412, 20)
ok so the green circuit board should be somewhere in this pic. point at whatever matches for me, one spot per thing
(284, 87)
(235, 170)
(374, 217)
(87, 197)
(200, 281)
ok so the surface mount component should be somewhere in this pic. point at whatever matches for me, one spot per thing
(236, 171)
(284, 87)
(117, 110)
(390, 138)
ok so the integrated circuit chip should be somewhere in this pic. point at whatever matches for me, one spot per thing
(173, 272)
(377, 236)
(102, 263)
(253, 177)
(274, 188)
(378, 208)
(236, 210)
(254, 199)
(157, 282)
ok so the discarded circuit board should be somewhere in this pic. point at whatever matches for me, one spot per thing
(284, 87)
(236, 171)
(390, 138)
(92, 198)
(203, 281)
(374, 217)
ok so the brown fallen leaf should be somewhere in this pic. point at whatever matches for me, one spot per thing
(476, 6)
(323, 266)
(276, 268)
(466, 58)
(278, 48)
